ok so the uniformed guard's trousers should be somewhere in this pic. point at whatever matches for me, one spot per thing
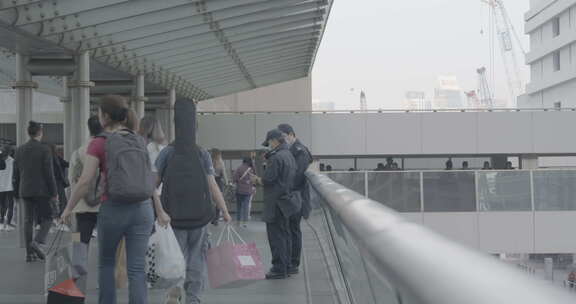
(280, 243)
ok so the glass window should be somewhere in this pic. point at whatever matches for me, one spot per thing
(397, 190)
(504, 191)
(555, 27)
(554, 190)
(556, 61)
(351, 180)
(449, 191)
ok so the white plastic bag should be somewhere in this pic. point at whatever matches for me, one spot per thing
(164, 259)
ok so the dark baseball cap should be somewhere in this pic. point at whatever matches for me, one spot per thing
(272, 134)
(286, 128)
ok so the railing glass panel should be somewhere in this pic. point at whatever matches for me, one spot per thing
(555, 190)
(504, 191)
(449, 191)
(397, 190)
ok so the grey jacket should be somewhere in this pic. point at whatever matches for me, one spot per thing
(280, 200)
(34, 171)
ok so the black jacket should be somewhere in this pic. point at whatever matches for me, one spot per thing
(278, 180)
(303, 159)
(34, 171)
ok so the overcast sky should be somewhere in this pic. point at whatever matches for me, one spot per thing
(390, 47)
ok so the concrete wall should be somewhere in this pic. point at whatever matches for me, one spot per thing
(295, 95)
(401, 133)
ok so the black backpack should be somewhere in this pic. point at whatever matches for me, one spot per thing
(185, 193)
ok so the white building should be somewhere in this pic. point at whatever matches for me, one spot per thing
(551, 25)
(448, 94)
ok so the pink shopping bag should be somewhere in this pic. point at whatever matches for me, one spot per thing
(233, 265)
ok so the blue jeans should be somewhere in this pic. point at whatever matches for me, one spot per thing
(243, 201)
(133, 222)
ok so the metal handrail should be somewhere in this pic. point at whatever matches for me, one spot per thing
(358, 111)
(423, 266)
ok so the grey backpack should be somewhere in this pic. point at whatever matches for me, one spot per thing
(129, 178)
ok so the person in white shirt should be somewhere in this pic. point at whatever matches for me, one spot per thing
(6, 189)
(151, 130)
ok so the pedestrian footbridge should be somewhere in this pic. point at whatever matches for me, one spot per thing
(355, 251)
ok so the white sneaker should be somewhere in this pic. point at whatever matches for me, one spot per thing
(95, 234)
(64, 228)
(8, 228)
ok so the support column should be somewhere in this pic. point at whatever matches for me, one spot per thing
(24, 95)
(139, 98)
(68, 126)
(529, 162)
(81, 100)
(24, 87)
(171, 101)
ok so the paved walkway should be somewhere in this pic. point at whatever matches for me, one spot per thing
(23, 283)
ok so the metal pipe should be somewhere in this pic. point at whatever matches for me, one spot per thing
(422, 266)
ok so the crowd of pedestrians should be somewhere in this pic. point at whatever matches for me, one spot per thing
(127, 177)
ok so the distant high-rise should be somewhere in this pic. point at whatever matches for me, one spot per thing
(448, 94)
(416, 100)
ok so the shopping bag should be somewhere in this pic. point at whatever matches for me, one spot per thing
(58, 279)
(234, 264)
(79, 257)
(165, 264)
(120, 271)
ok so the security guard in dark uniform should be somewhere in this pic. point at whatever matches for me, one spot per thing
(280, 201)
(303, 159)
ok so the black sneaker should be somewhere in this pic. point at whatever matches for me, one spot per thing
(30, 258)
(276, 275)
(293, 270)
(37, 251)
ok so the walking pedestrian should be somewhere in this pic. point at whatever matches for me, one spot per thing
(35, 184)
(303, 159)
(220, 176)
(126, 210)
(6, 189)
(86, 210)
(151, 130)
(188, 190)
(244, 190)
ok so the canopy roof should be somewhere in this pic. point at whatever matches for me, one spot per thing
(203, 48)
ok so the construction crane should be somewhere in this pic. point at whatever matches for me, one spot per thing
(502, 27)
(485, 98)
(363, 103)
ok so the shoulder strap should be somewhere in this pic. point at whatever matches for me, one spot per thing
(245, 172)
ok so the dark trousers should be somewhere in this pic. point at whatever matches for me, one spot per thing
(37, 207)
(296, 239)
(6, 207)
(280, 243)
(86, 222)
